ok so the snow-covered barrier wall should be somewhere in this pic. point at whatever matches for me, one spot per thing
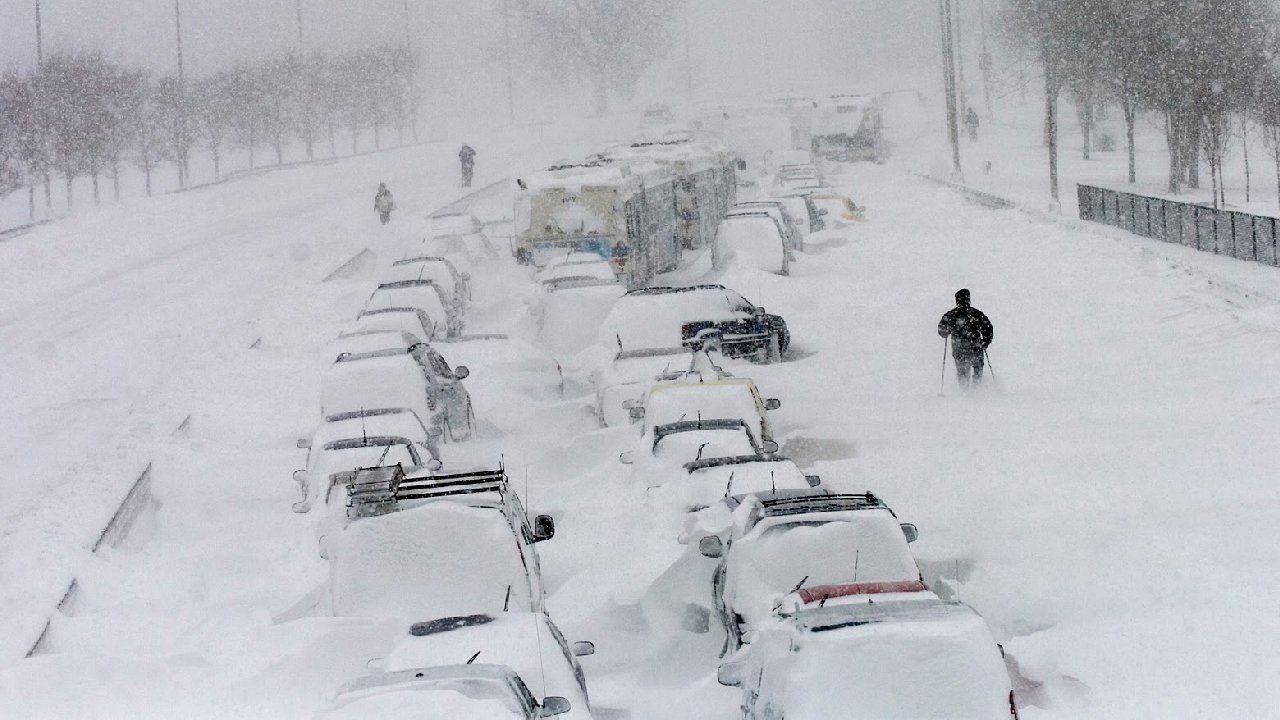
(1222, 232)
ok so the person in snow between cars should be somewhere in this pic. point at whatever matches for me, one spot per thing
(383, 203)
(970, 332)
(467, 157)
(971, 123)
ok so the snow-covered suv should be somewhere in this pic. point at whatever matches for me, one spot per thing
(672, 316)
(478, 691)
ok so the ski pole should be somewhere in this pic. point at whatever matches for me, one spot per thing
(990, 367)
(943, 387)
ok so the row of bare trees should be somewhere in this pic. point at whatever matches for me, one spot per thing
(1206, 67)
(81, 115)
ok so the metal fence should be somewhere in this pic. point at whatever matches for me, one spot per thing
(1222, 232)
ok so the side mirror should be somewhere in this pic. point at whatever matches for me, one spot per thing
(772, 404)
(582, 648)
(304, 443)
(813, 480)
(544, 528)
(711, 546)
(769, 447)
(731, 674)
(553, 705)
(628, 457)
(630, 403)
(461, 372)
(741, 164)
(304, 503)
(435, 431)
(910, 531)
(750, 636)
(760, 310)
(636, 413)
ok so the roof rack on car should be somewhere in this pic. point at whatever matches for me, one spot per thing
(379, 490)
(820, 502)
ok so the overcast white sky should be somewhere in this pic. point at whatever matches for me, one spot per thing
(868, 44)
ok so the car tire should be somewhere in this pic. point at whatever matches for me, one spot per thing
(773, 351)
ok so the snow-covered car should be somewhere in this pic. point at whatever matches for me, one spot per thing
(475, 691)
(785, 541)
(441, 271)
(919, 657)
(836, 209)
(453, 224)
(707, 399)
(664, 449)
(804, 217)
(756, 239)
(417, 377)
(571, 311)
(424, 295)
(510, 365)
(666, 317)
(708, 481)
(358, 342)
(362, 438)
(415, 545)
(527, 642)
(790, 177)
(398, 319)
(625, 381)
(564, 265)
(787, 224)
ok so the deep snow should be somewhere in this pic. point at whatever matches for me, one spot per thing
(1105, 500)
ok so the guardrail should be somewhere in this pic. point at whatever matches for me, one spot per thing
(1222, 232)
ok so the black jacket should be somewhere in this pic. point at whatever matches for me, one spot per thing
(967, 327)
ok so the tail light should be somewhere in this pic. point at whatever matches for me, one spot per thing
(1013, 706)
(686, 331)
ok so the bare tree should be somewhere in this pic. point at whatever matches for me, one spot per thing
(609, 42)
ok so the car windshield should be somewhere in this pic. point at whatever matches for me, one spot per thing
(707, 401)
(701, 444)
(444, 699)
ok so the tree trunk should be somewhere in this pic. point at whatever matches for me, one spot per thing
(146, 170)
(333, 133)
(279, 150)
(1051, 125)
(31, 201)
(1084, 111)
(115, 179)
(1244, 144)
(217, 161)
(97, 199)
(70, 177)
(1130, 119)
(253, 141)
(48, 192)
(355, 138)
(1172, 134)
(1192, 150)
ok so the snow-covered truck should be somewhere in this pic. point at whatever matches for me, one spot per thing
(849, 128)
(706, 183)
(623, 211)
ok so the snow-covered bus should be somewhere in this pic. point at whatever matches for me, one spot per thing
(622, 211)
(849, 128)
(705, 187)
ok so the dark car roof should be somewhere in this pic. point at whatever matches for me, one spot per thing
(735, 460)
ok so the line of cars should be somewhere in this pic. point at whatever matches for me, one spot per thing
(449, 556)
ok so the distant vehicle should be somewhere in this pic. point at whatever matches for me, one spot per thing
(756, 140)
(527, 642)
(705, 183)
(755, 238)
(417, 377)
(477, 691)
(453, 224)
(434, 546)
(790, 225)
(791, 177)
(665, 317)
(424, 295)
(849, 128)
(439, 270)
(918, 657)
(802, 210)
(836, 210)
(595, 269)
(674, 444)
(348, 441)
(789, 541)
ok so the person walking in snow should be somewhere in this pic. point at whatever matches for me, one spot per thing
(467, 157)
(971, 123)
(383, 203)
(970, 332)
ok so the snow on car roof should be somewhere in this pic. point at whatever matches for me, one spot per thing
(374, 381)
(653, 317)
(440, 558)
(422, 294)
(573, 178)
(399, 424)
(369, 341)
(480, 691)
(729, 398)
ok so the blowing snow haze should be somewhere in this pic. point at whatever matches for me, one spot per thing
(652, 359)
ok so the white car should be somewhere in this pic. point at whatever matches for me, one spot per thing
(576, 264)
(571, 310)
(797, 213)
(776, 209)
(664, 449)
(416, 377)
(434, 545)
(754, 239)
(424, 295)
(476, 691)
(708, 481)
(717, 398)
(396, 319)
(527, 642)
(439, 270)
(668, 317)
(917, 657)
(625, 381)
(362, 438)
(788, 541)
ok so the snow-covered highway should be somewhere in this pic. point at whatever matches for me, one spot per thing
(1106, 497)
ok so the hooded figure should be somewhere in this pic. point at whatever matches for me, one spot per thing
(970, 332)
(383, 203)
(467, 157)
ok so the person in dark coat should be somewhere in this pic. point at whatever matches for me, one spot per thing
(383, 203)
(971, 123)
(467, 157)
(970, 332)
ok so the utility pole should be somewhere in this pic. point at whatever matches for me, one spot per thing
(688, 54)
(39, 37)
(300, 45)
(768, 64)
(949, 80)
(957, 16)
(180, 131)
(413, 94)
(506, 34)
